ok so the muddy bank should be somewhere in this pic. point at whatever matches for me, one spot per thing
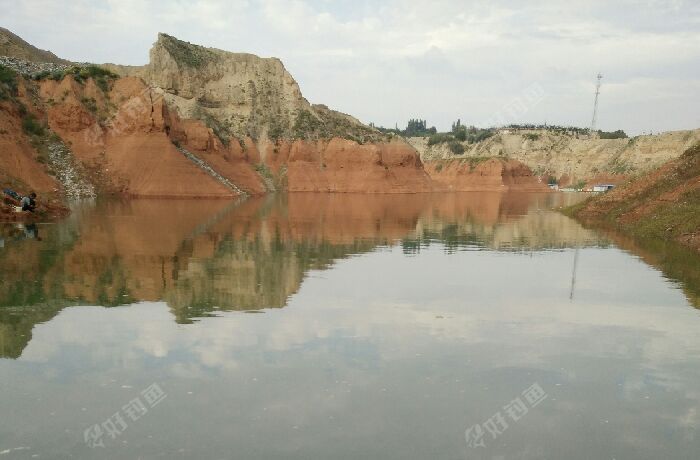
(50, 210)
(662, 205)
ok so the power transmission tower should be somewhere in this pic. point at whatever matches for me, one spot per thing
(595, 104)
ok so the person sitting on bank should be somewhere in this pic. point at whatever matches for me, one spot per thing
(28, 203)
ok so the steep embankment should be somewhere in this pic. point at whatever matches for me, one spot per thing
(571, 158)
(239, 108)
(202, 122)
(196, 122)
(664, 205)
(483, 174)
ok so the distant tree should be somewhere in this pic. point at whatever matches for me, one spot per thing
(619, 134)
(418, 128)
(440, 138)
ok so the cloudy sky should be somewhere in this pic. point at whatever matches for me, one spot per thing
(388, 61)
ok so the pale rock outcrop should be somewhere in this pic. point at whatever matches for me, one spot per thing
(570, 158)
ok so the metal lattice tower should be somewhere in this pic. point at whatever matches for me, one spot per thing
(595, 104)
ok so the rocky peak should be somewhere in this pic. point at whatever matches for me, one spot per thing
(236, 94)
(240, 95)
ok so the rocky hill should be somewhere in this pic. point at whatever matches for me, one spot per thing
(240, 95)
(196, 122)
(13, 46)
(571, 159)
(662, 205)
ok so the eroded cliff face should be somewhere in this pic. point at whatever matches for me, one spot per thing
(571, 159)
(240, 95)
(492, 174)
(127, 139)
(201, 122)
(19, 165)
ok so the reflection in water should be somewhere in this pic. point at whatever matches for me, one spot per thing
(202, 256)
(208, 255)
(408, 319)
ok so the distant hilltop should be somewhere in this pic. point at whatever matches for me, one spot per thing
(203, 122)
(13, 46)
(200, 122)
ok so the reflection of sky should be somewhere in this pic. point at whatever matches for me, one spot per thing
(381, 356)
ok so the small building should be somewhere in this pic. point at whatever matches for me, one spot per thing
(603, 187)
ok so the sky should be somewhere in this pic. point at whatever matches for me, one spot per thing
(484, 62)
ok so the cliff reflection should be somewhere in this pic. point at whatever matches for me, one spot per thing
(205, 256)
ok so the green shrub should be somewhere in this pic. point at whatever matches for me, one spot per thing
(221, 130)
(102, 77)
(31, 126)
(531, 136)
(8, 82)
(102, 83)
(186, 53)
(264, 170)
(440, 138)
(306, 125)
(619, 134)
(483, 135)
(90, 104)
(276, 130)
(57, 75)
(456, 148)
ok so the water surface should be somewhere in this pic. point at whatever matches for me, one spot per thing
(316, 326)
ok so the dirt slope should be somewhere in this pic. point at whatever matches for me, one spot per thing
(569, 158)
(202, 122)
(664, 204)
(489, 174)
(13, 46)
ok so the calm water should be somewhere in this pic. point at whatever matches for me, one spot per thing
(345, 327)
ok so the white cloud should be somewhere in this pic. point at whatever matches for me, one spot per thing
(390, 61)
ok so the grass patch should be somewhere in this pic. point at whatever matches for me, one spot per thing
(440, 138)
(667, 220)
(190, 55)
(264, 171)
(305, 125)
(8, 83)
(476, 161)
(220, 130)
(103, 78)
(456, 148)
(32, 126)
(90, 103)
(675, 219)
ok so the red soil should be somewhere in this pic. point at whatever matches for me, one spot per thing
(126, 139)
(494, 174)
